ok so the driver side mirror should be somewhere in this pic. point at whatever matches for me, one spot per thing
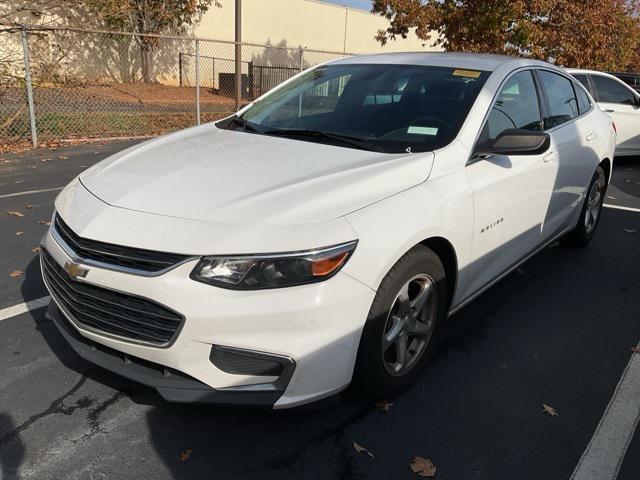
(515, 142)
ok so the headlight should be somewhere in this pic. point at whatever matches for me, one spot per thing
(254, 272)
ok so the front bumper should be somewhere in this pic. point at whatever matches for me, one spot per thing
(317, 326)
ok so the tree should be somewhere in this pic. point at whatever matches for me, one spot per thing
(600, 34)
(150, 17)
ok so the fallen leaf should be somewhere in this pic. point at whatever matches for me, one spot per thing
(18, 233)
(44, 222)
(423, 467)
(63, 157)
(384, 405)
(36, 250)
(15, 273)
(629, 230)
(549, 409)
(15, 214)
(186, 455)
(635, 349)
(360, 449)
(28, 206)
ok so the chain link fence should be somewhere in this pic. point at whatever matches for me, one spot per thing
(90, 84)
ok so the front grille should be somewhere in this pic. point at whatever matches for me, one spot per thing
(109, 311)
(117, 255)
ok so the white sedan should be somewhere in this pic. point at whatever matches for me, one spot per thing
(618, 100)
(324, 232)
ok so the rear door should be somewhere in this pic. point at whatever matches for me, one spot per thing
(571, 156)
(511, 193)
(621, 102)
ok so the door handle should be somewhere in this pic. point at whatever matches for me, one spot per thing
(610, 111)
(591, 136)
(549, 156)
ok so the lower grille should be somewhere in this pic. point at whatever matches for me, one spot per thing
(109, 311)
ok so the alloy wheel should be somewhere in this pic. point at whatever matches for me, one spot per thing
(409, 325)
(594, 205)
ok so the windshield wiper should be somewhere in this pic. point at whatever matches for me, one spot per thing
(241, 122)
(318, 134)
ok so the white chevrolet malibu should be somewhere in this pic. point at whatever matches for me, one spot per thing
(322, 234)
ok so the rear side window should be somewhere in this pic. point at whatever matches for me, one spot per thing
(563, 105)
(583, 80)
(610, 91)
(516, 107)
(584, 104)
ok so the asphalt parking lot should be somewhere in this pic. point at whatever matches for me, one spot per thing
(558, 331)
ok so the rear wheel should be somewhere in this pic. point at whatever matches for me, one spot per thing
(408, 306)
(590, 214)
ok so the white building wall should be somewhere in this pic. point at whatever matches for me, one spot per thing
(303, 23)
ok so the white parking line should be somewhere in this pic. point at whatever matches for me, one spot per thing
(24, 307)
(619, 207)
(29, 192)
(604, 455)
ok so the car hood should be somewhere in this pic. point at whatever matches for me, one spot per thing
(213, 175)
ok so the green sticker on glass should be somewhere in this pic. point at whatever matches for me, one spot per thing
(423, 130)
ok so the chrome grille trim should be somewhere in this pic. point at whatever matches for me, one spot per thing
(109, 312)
(119, 258)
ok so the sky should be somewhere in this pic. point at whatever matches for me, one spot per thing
(363, 4)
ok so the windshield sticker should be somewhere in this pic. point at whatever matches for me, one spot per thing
(423, 130)
(466, 73)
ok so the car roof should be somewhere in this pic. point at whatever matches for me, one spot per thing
(474, 61)
(584, 71)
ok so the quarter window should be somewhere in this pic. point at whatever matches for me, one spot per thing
(610, 91)
(584, 104)
(583, 80)
(516, 107)
(563, 105)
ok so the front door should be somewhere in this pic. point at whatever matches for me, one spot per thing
(511, 193)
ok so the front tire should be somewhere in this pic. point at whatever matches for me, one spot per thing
(591, 209)
(396, 340)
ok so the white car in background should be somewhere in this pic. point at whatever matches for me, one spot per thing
(618, 100)
(323, 232)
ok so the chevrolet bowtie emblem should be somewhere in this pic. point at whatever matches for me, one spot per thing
(75, 271)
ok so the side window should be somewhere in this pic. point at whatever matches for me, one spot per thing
(610, 91)
(583, 80)
(584, 103)
(563, 105)
(516, 107)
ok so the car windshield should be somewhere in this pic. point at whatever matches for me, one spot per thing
(379, 107)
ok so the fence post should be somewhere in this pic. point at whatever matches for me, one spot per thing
(197, 82)
(301, 59)
(27, 77)
(180, 66)
(238, 38)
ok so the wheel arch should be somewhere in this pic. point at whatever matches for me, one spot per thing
(447, 255)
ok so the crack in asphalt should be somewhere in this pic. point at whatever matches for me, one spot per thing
(56, 407)
(93, 416)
